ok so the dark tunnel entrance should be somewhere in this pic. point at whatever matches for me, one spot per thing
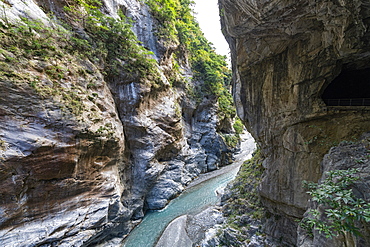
(349, 88)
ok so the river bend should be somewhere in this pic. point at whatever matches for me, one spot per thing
(199, 195)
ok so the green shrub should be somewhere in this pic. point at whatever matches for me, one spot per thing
(238, 126)
(245, 198)
(340, 209)
(30, 38)
(178, 26)
(165, 11)
(111, 43)
(33, 46)
(231, 140)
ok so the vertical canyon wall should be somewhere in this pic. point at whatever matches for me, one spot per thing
(290, 58)
(86, 148)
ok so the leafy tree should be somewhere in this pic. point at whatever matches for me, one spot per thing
(338, 210)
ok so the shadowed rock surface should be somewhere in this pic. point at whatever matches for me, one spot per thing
(284, 55)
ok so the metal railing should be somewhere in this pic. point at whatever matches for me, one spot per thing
(348, 102)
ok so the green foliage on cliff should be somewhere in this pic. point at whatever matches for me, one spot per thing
(113, 48)
(244, 201)
(178, 26)
(246, 184)
(166, 12)
(111, 43)
(48, 56)
(38, 55)
(338, 209)
(238, 126)
(32, 38)
(2, 145)
(231, 140)
(107, 41)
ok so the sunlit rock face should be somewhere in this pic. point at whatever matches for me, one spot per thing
(284, 56)
(60, 176)
(78, 179)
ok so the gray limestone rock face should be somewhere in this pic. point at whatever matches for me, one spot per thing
(198, 225)
(82, 159)
(60, 175)
(285, 54)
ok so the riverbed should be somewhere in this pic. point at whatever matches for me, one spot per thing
(199, 195)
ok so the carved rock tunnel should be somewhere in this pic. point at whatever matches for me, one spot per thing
(349, 88)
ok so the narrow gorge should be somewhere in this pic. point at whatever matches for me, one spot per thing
(110, 108)
(298, 69)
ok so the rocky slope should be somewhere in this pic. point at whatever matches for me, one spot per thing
(95, 129)
(290, 58)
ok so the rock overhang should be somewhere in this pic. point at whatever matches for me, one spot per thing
(284, 56)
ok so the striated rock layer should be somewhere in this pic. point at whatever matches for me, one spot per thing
(83, 154)
(285, 54)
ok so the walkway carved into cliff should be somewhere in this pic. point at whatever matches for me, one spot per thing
(348, 102)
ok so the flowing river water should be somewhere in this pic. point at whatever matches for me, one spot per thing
(200, 194)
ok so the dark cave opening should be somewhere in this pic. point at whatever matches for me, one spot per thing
(349, 88)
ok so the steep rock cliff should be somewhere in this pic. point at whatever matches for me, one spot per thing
(292, 61)
(93, 133)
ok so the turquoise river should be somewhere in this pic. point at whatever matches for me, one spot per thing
(192, 201)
